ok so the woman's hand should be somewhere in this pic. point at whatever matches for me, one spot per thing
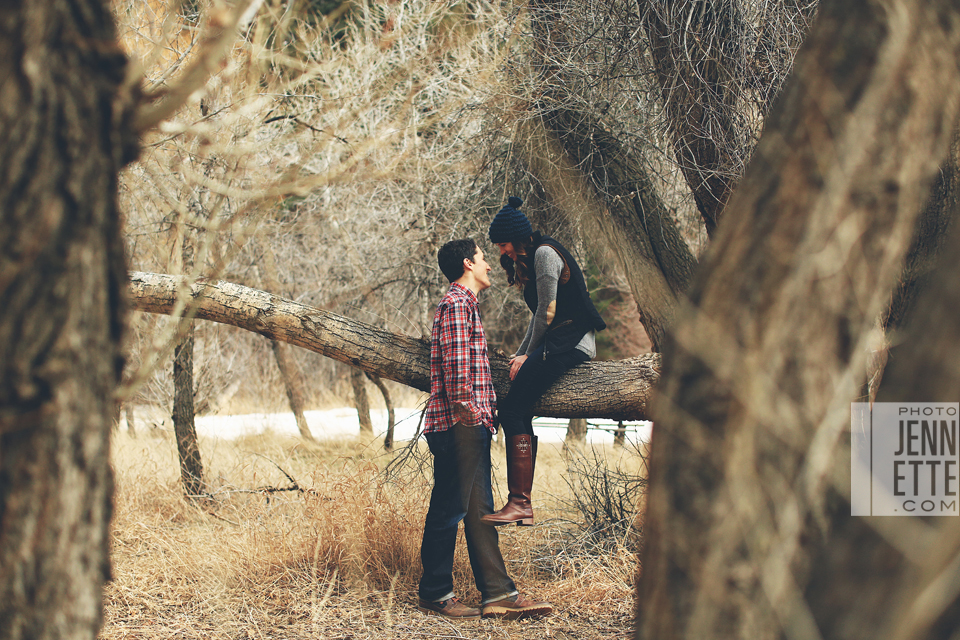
(515, 363)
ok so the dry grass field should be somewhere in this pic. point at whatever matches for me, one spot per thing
(323, 542)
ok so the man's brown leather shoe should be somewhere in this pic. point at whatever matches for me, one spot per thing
(515, 608)
(450, 608)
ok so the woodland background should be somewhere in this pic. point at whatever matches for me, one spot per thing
(766, 186)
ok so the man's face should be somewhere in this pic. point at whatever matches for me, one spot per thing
(481, 270)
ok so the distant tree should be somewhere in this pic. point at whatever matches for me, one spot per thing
(184, 422)
(391, 416)
(576, 433)
(361, 401)
(289, 373)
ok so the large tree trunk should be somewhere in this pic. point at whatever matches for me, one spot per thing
(184, 425)
(930, 238)
(618, 390)
(598, 184)
(931, 232)
(64, 136)
(925, 370)
(748, 533)
(695, 48)
(569, 154)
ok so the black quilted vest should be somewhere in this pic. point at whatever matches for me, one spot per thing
(575, 315)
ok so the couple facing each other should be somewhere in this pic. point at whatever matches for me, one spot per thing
(459, 421)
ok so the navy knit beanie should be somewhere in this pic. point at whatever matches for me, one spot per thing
(510, 225)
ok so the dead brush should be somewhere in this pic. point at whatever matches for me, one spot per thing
(250, 550)
(336, 556)
(606, 490)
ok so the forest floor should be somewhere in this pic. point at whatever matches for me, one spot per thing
(300, 540)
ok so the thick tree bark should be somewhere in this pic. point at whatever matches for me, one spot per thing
(617, 390)
(184, 425)
(931, 233)
(64, 135)
(924, 370)
(744, 531)
(930, 238)
(293, 386)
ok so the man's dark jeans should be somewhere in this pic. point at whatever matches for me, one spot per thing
(461, 491)
(532, 381)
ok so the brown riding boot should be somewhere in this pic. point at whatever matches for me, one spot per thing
(521, 457)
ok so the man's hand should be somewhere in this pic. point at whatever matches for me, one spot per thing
(515, 363)
(464, 415)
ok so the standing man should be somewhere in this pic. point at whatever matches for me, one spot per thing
(458, 426)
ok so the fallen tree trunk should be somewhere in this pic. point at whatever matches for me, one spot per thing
(617, 390)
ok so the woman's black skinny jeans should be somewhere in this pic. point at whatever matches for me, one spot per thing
(532, 381)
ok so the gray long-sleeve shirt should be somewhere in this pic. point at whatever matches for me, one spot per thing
(548, 265)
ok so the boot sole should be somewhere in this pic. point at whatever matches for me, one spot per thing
(524, 522)
(509, 613)
(433, 612)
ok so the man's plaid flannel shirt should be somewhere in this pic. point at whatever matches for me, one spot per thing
(461, 387)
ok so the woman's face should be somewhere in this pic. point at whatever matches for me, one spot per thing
(506, 248)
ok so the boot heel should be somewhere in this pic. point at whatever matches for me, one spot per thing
(525, 522)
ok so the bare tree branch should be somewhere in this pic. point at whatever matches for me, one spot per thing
(222, 30)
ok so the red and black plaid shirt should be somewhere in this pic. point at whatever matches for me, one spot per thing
(461, 387)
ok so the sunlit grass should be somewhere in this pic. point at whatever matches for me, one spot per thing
(297, 540)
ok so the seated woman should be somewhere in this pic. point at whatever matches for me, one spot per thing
(560, 336)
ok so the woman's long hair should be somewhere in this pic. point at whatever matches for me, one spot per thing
(518, 273)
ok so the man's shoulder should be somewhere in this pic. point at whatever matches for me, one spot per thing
(456, 296)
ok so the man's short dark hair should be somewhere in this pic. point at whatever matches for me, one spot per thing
(451, 257)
